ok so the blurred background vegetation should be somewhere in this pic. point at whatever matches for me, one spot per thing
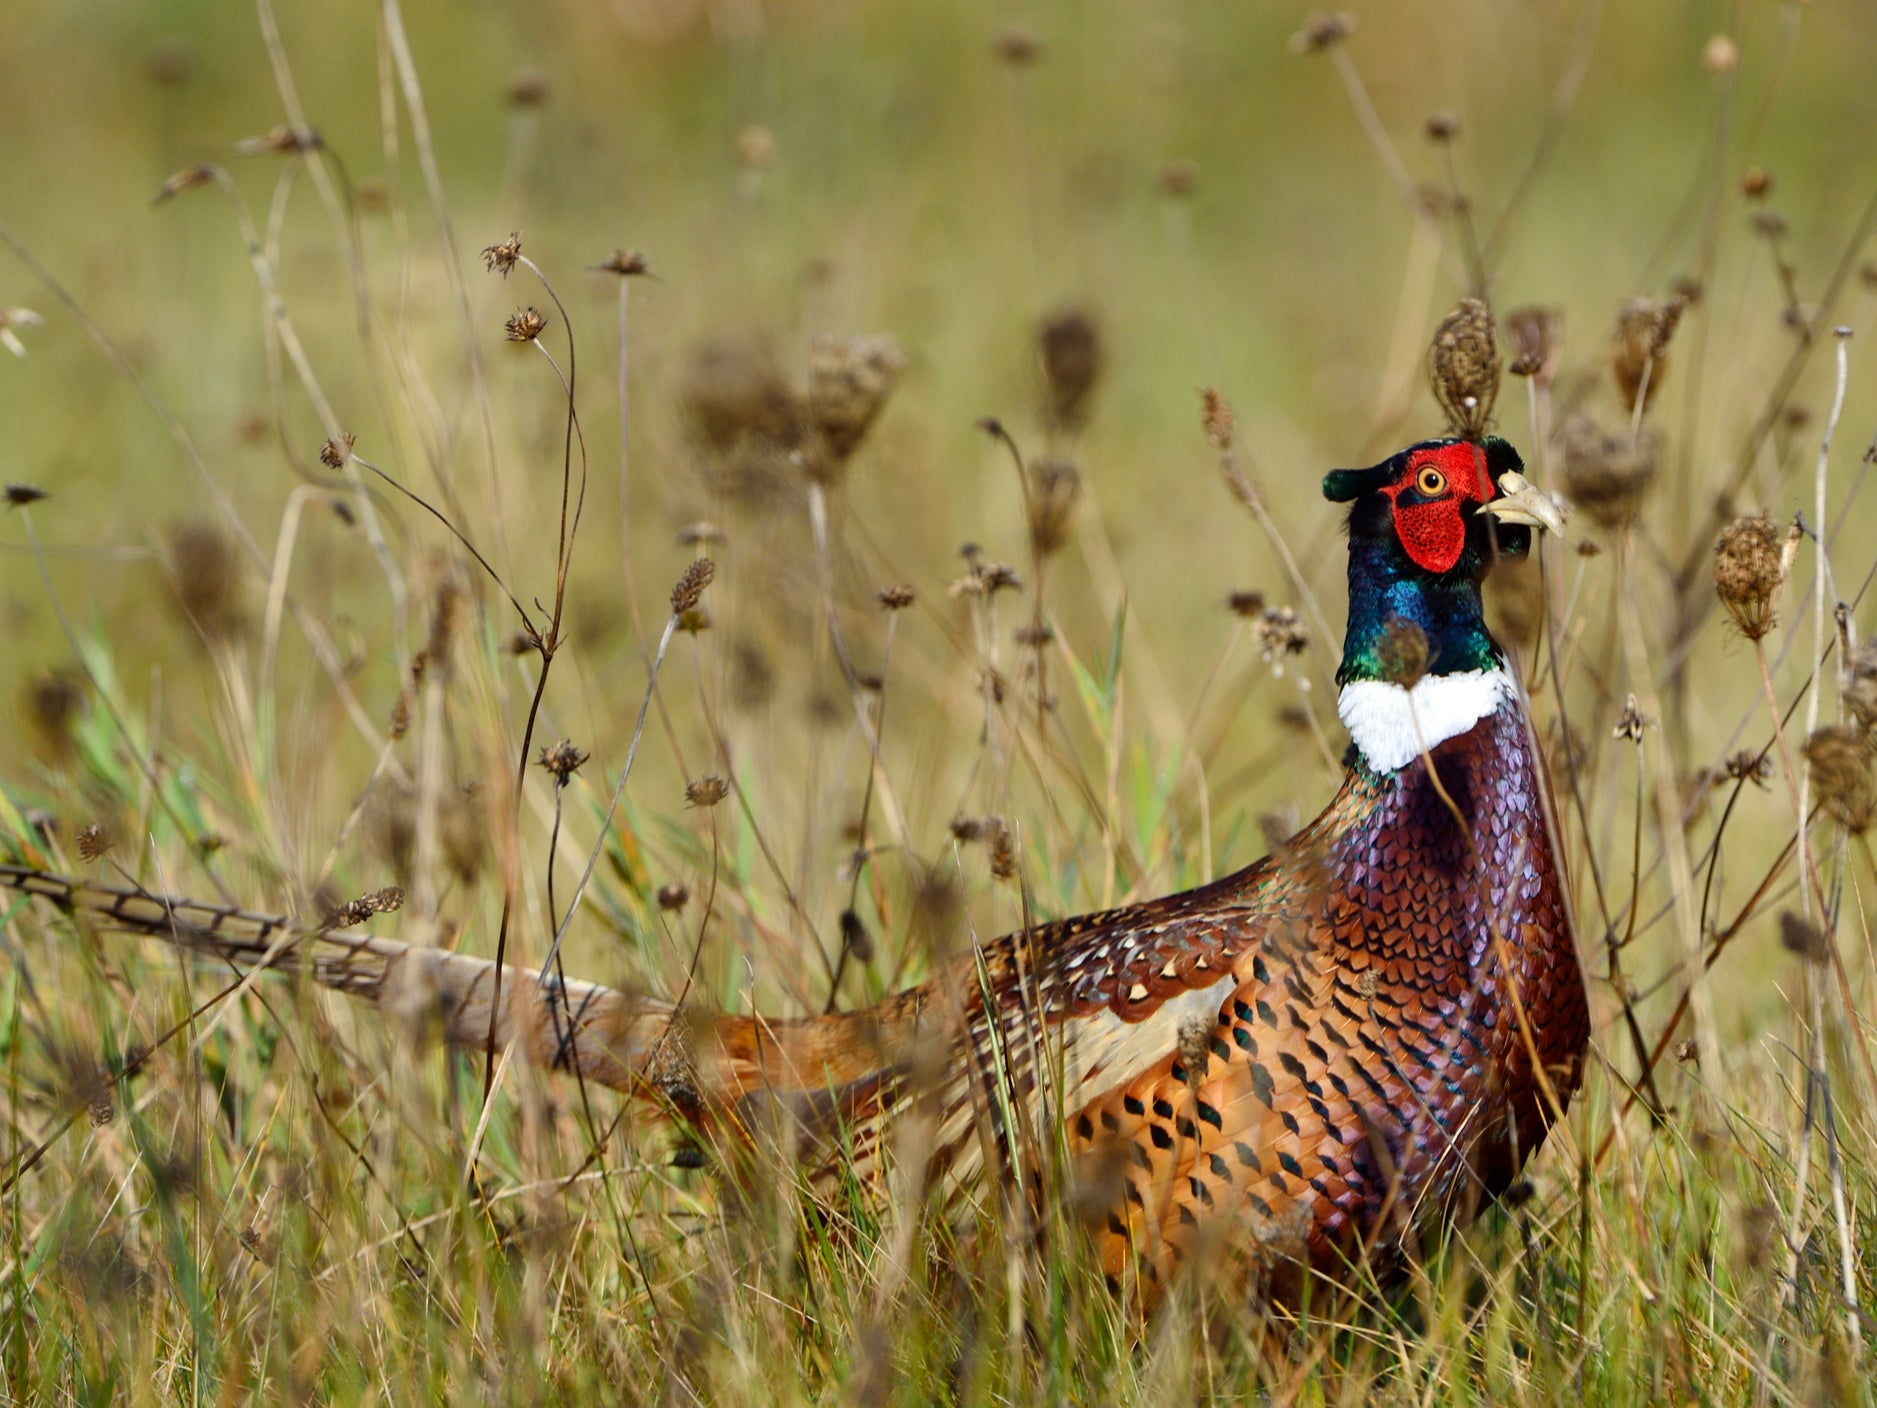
(1216, 201)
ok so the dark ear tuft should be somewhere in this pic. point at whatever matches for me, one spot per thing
(1501, 458)
(1341, 486)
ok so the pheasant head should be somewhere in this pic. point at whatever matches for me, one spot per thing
(1425, 527)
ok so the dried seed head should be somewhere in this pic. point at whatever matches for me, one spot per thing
(896, 598)
(1631, 723)
(1755, 183)
(1844, 781)
(1280, 631)
(1073, 360)
(1536, 338)
(1003, 855)
(525, 326)
(849, 379)
(1018, 47)
(1178, 179)
(1321, 31)
(205, 571)
(690, 588)
(1215, 415)
(1720, 55)
(502, 258)
(1403, 652)
(1860, 684)
(855, 938)
(1801, 936)
(20, 495)
(706, 791)
(1441, 126)
(94, 841)
(1463, 366)
(1245, 603)
(1639, 349)
(1748, 766)
(732, 391)
(673, 896)
(334, 453)
(561, 760)
(985, 579)
(1606, 475)
(529, 88)
(967, 829)
(352, 912)
(188, 179)
(625, 263)
(1750, 565)
(1055, 488)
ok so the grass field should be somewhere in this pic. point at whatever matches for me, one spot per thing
(253, 655)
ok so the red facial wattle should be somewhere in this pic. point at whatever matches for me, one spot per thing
(1429, 499)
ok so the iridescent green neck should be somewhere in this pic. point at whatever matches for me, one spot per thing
(1384, 585)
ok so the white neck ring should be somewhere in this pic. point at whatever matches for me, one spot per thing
(1393, 726)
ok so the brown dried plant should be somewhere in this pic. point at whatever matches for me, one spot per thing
(1073, 359)
(1607, 475)
(1751, 561)
(1463, 367)
(1055, 489)
(849, 380)
(1844, 775)
(1536, 338)
(1639, 348)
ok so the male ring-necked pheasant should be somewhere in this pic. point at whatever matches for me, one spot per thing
(1301, 1063)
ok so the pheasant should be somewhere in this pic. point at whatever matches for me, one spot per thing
(1298, 1066)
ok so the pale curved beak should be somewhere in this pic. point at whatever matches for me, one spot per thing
(1521, 501)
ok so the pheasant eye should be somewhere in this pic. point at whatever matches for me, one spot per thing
(1431, 482)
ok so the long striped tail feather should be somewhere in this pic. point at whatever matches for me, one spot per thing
(704, 1066)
